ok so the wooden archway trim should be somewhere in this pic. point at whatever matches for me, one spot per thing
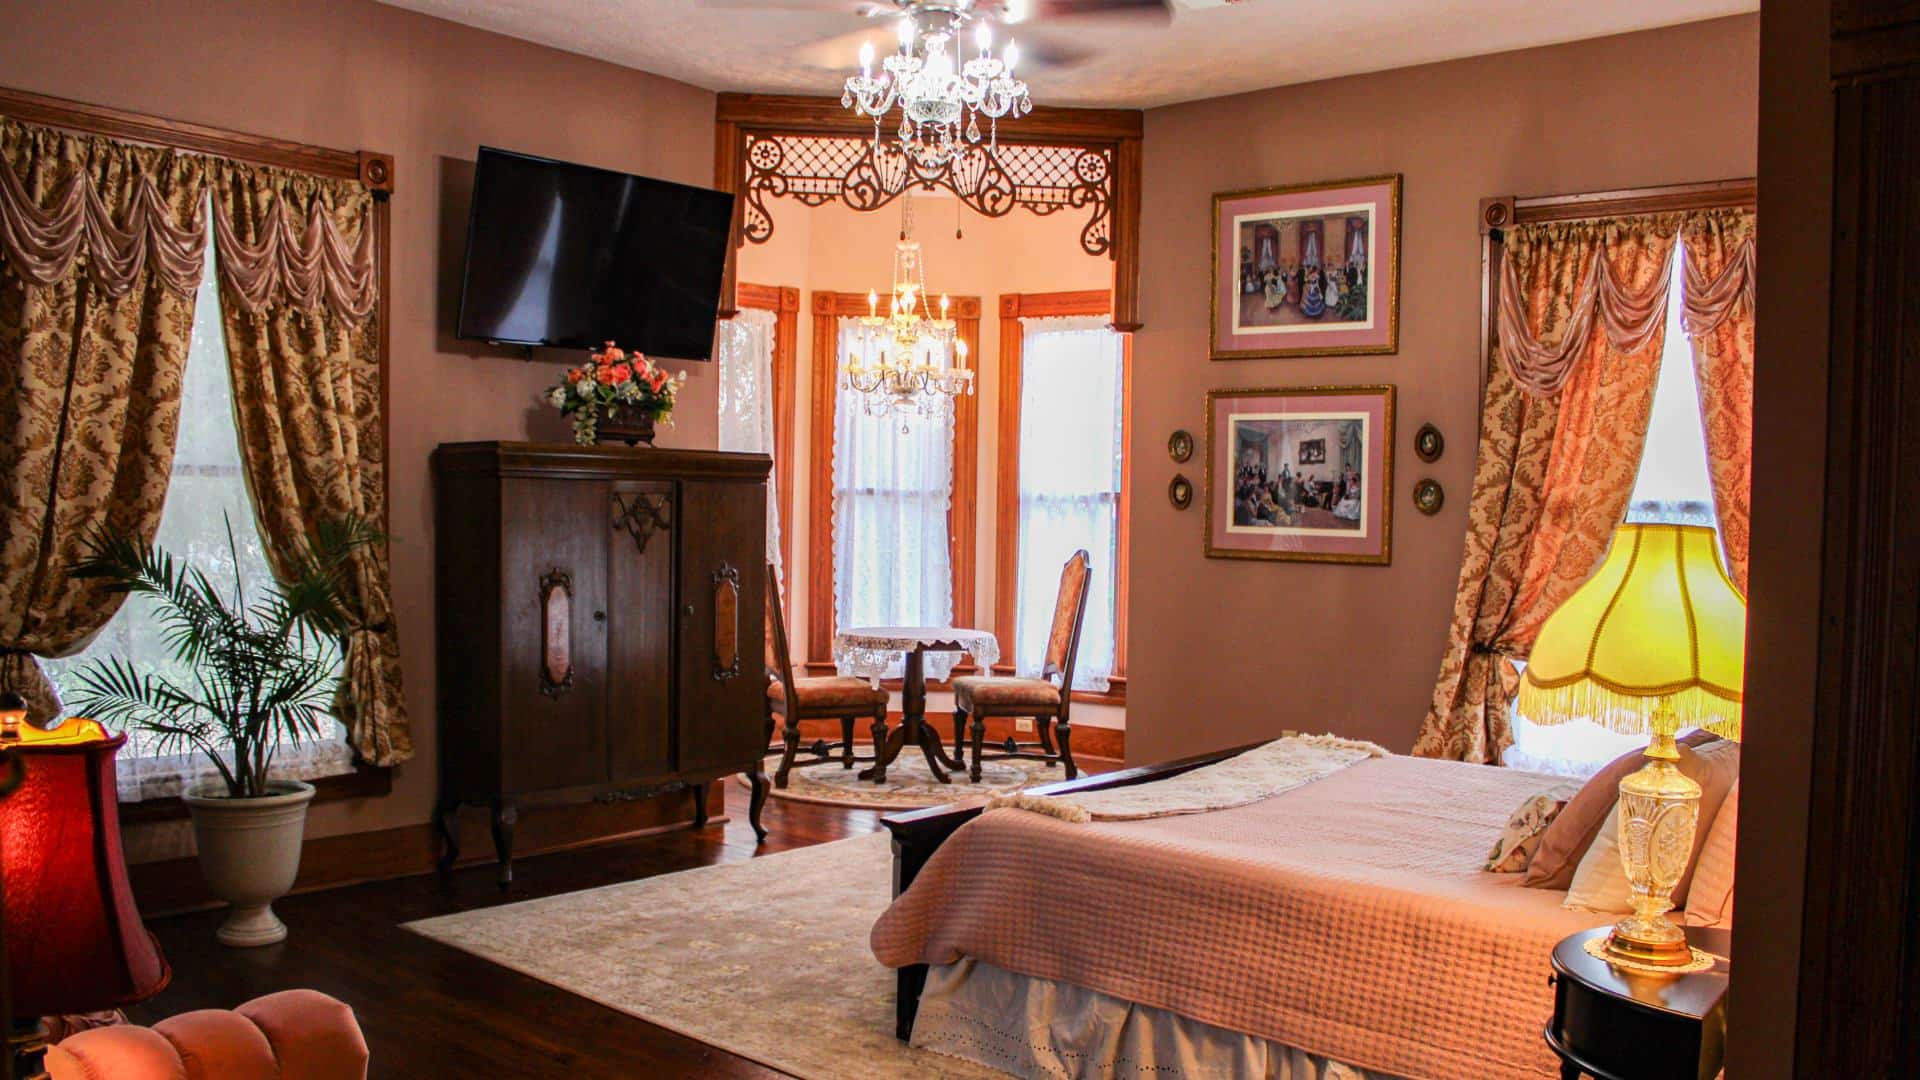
(1114, 131)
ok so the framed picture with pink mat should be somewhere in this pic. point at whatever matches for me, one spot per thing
(1301, 474)
(1307, 270)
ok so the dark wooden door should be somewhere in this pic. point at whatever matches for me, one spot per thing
(722, 605)
(553, 578)
(640, 620)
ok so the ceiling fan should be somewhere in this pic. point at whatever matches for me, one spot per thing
(1041, 46)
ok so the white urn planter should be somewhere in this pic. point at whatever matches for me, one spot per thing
(249, 854)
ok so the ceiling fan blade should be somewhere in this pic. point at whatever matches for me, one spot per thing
(1028, 10)
(818, 7)
(842, 51)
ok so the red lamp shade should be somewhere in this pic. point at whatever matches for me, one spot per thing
(74, 939)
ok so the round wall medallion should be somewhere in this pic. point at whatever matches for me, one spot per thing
(1180, 445)
(1428, 497)
(1428, 443)
(1180, 492)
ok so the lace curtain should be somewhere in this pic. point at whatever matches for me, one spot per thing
(891, 493)
(1071, 397)
(205, 493)
(745, 360)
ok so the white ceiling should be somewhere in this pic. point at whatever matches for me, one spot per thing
(1210, 48)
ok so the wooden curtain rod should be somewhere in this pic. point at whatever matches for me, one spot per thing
(1506, 210)
(375, 170)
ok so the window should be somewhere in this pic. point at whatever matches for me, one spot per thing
(892, 488)
(1062, 479)
(1672, 486)
(1071, 460)
(206, 493)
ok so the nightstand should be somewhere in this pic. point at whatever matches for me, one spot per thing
(1616, 1024)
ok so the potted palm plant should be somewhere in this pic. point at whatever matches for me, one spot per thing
(256, 673)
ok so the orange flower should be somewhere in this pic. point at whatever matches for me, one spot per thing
(606, 376)
(656, 379)
(621, 374)
(574, 375)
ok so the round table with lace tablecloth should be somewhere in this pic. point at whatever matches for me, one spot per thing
(869, 652)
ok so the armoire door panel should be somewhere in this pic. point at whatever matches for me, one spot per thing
(641, 516)
(722, 614)
(554, 640)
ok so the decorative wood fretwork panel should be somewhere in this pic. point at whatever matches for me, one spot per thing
(769, 146)
(867, 174)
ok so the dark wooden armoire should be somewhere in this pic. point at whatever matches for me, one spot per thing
(600, 616)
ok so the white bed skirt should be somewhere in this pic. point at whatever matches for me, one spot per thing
(1033, 1027)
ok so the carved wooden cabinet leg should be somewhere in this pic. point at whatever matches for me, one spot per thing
(758, 779)
(505, 817)
(979, 738)
(446, 820)
(700, 803)
(1063, 731)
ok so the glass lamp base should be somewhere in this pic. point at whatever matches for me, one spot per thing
(1659, 808)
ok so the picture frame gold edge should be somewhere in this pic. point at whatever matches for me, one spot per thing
(1389, 392)
(1391, 348)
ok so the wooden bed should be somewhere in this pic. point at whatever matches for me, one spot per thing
(1346, 916)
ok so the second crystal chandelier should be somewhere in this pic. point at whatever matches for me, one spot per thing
(941, 97)
(907, 362)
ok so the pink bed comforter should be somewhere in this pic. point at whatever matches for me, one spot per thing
(1348, 917)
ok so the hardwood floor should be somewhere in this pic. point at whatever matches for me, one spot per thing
(430, 1011)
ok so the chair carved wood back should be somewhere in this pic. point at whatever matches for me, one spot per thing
(1069, 614)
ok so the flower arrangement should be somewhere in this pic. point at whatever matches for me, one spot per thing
(614, 385)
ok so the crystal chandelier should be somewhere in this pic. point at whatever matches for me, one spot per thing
(941, 98)
(907, 362)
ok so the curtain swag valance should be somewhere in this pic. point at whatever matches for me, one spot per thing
(303, 267)
(1629, 319)
(43, 245)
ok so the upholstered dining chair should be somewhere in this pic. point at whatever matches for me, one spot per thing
(797, 699)
(1049, 703)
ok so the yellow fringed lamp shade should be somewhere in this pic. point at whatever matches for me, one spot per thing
(1658, 623)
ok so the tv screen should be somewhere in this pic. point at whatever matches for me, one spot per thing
(572, 256)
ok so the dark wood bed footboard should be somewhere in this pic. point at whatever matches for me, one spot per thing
(917, 834)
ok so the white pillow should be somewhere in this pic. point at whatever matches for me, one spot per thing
(1600, 882)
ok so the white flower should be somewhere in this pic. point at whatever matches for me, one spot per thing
(585, 386)
(558, 396)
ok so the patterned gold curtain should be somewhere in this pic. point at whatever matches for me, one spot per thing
(1719, 318)
(100, 252)
(295, 255)
(1554, 471)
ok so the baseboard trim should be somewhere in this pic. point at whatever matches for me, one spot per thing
(172, 886)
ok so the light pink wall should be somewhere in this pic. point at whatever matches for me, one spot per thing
(352, 74)
(1223, 652)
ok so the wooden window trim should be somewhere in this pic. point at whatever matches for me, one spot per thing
(1013, 308)
(784, 302)
(372, 169)
(962, 513)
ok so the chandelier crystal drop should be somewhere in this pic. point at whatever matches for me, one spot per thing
(941, 97)
(907, 362)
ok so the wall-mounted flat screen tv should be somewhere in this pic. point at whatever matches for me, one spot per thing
(572, 256)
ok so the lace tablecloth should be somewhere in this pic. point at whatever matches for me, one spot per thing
(870, 652)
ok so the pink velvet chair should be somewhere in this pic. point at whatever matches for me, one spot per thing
(291, 1035)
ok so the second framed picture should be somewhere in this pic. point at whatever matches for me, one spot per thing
(1307, 270)
(1302, 473)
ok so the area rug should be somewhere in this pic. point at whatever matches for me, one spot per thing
(765, 958)
(909, 785)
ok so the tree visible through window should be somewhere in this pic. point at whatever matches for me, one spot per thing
(1672, 485)
(206, 494)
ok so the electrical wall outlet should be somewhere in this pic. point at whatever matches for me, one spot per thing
(1023, 725)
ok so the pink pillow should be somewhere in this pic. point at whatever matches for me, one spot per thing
(1711, 901)
(1566, 840)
